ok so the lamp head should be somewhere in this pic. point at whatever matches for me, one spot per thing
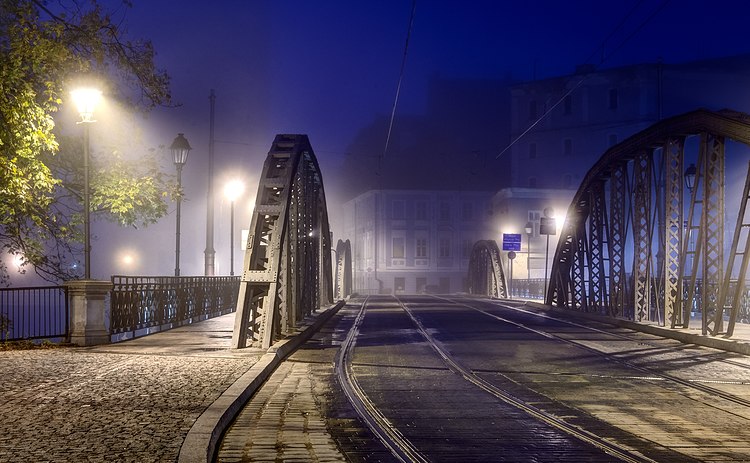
(86, 99)
(690, 173)
(180, 149)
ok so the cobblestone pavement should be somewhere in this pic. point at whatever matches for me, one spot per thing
(131, 403)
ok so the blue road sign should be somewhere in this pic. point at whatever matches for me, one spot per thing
(511, 241)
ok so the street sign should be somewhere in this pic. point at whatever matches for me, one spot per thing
(547, 226)
(511, 241)
(511, 255)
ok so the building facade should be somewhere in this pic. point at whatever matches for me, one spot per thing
(562, 125)
(413, 242)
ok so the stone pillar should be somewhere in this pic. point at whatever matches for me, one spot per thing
(87, 306)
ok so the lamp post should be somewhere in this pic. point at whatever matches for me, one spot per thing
(529, 229)
(547, 226)
(232, 191)
(86, 100)
(689, 176)
(180, 149)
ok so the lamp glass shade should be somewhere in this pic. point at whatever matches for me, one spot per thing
(690, 173)
(180, 149)
(86, 100)
(234, 189)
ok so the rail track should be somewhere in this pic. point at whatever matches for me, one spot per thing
(401, 447)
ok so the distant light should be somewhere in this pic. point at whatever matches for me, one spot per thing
(234, 190)
(127, 259)
(18, 261)
(86, 99)
(310, 234)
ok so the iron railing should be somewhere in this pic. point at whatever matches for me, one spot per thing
(528, 288)
(39, 312)
(142, 304)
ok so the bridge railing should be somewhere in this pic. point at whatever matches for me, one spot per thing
(141, 305)
(39, 312)
(528, 288)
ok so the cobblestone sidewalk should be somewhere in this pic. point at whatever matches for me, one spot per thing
(134, 401)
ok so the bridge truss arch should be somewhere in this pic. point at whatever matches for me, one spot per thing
(343, 286)
(287, 266)
(638, 243)
(486, 275)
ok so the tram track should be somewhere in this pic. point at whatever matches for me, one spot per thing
(405, 450)
(649, 372)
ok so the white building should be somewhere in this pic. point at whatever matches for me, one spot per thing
(415, 241)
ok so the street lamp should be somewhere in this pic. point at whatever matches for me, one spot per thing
(547, 226)
(232, 191)
(690, 177)
(86, 100)
(180, 149)
(529, 229)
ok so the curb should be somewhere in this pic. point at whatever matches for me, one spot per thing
(719, 343)
(201, 441)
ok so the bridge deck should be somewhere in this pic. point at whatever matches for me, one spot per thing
(140, 398)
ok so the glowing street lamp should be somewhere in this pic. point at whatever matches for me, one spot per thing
(180, 149)
(232, 191)
(86, 100)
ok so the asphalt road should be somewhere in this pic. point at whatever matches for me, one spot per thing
(465, 379)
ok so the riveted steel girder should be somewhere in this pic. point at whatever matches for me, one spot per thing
(486, 275)
(635, 188)
(287, 267)
(343, 287)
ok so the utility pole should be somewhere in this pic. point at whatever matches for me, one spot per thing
(210, 253)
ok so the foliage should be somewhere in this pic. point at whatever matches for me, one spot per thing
(43, 47)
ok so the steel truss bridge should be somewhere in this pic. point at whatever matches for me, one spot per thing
(287, 270)
(637, 243)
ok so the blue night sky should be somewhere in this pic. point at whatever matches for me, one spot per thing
(330, 68)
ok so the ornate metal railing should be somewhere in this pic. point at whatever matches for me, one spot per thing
(142, 304)
(39, 312)
(532, 288)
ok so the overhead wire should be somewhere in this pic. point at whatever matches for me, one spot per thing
(400, 80)
(604, 58)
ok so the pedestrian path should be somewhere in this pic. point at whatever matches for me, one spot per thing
(132, 401)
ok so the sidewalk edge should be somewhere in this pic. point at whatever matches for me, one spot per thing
(201, 441)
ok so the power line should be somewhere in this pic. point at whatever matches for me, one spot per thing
(400, 78)
(596, 66)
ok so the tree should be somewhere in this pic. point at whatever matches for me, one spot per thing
(44, 46)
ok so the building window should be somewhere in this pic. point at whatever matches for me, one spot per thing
(612, 139)
(613, 99)
(568, 105)
(420, 211)
(397, 251)
(532, 150)
(420, 248)
(568, 147)
(398, 208)
(399, 284)
(444, 250)
(467, 211)
(445, 210)
(534, 219)
(532, 110)
(532, 182)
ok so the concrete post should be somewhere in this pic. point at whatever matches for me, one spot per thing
(87, 307)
